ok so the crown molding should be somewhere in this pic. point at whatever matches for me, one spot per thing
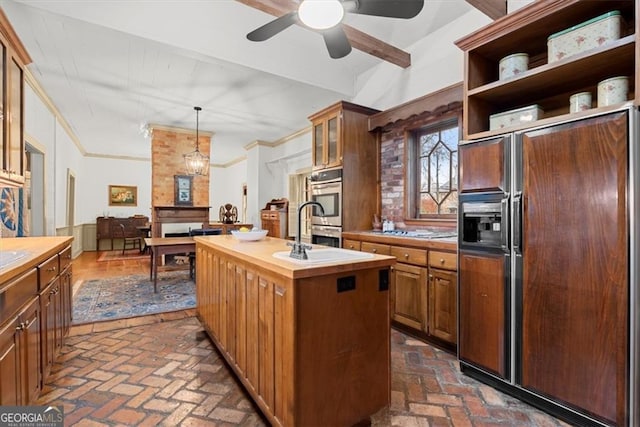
(180, 130)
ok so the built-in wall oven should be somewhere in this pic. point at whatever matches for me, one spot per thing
(326, 189)
(326, 235)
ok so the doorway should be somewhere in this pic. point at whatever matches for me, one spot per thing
(34, 190)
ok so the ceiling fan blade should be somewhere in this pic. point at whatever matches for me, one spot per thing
(389, 8)
(272, 28)
(337, 42)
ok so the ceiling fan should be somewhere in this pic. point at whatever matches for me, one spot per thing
(326, 16)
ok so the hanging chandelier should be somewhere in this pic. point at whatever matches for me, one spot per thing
(196, 162)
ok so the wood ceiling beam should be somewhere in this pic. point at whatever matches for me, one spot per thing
(494, 9)
(358, 39)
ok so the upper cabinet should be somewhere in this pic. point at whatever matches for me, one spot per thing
(338, 129)
(549, 80)
(13, 58)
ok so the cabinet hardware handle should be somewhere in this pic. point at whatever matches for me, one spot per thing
(441, 260)
(51, 269)
(374, 250)
(484, 295)
(406, 256)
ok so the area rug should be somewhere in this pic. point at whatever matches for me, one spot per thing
(118, 256)
(132, 296)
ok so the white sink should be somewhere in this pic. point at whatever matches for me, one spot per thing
(329, 255)
(8, 257)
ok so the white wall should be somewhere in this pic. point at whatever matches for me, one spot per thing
(92, 192)
(225, 186)
(516, 4)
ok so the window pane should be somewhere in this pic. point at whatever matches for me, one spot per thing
(436, 170)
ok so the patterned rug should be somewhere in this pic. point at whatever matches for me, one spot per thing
(132, 296)
(118, 256)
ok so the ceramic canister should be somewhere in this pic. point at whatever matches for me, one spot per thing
(580, 101)
(613, 91)
(513, 65)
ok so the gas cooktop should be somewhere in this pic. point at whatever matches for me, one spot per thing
(421, 234)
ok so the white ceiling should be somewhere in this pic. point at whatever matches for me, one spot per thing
(111, 66)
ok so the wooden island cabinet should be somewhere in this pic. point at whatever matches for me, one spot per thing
(35, 314)
(310, 342)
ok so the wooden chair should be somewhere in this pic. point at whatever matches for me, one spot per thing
(192, 256)
(130, 237)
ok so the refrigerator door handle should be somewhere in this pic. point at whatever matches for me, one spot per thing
(517, 222)
(504, 235)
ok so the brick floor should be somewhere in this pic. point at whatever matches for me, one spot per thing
(140, 376)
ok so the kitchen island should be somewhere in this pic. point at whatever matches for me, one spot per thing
(309, 340)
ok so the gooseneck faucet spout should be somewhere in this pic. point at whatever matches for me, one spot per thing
(299, 249)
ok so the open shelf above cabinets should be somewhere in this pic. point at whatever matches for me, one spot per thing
(546, 84)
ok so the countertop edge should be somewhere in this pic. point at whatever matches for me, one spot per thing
(41, 249)
(366, 236)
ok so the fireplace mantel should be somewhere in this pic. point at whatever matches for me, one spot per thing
(177, 214)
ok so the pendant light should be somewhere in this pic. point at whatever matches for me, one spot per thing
(196, 162)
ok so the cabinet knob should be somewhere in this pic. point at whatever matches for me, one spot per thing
(374, 250)
(406, 256)
(431, 276)
(441, 260)
(51, 269)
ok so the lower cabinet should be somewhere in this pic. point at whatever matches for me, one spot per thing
(409, 296)
(20, 378)
(423, 291)
(35, 316)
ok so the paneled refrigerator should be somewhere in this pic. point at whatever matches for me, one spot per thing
(548, 280)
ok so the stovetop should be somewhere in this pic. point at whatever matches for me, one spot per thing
(420, 234)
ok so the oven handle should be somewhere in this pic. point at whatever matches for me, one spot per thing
(325, 186)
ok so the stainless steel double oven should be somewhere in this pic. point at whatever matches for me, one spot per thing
(326, 189)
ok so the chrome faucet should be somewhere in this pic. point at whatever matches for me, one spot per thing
(299, 249)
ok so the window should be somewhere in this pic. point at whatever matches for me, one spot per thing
(433, 170)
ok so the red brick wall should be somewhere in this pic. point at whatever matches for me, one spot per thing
(392, 176)
(167, 148)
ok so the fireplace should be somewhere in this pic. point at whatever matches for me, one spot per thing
(177, 214)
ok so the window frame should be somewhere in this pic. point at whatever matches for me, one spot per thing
(411, 171)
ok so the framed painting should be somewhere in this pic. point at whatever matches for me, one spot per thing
(183, 189)
(123, 195)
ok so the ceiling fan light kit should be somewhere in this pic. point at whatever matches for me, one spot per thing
(320, 14)
(326, 16)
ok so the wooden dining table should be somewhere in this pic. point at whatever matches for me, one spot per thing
(166, 246)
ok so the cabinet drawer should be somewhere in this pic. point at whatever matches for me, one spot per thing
(16, 293)
(445, 260)
(265, 215)
(410, 255)
(48, 270)
(274, 215)
(351, 244)
(65, 258)
(375, 248)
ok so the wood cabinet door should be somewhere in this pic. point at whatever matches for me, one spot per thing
(240, 283)
(334, 150)
(266, 342)
(31, 352)
(318, 145)
(483, 165)
(252, 328)
(483, 296)
(9, 364)
(48, 317)
(409, 286)
(443, 313)
(575, 272)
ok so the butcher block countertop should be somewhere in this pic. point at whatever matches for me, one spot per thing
(449, 243)
(35, 250)
(260, 253)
